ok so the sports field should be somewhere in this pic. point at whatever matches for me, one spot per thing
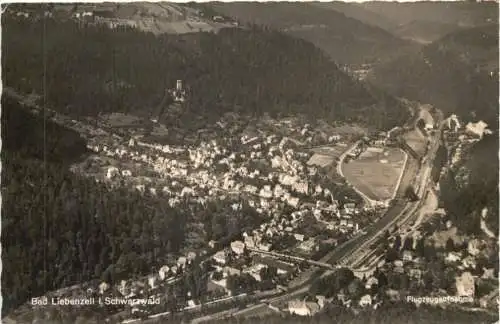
(375, 172)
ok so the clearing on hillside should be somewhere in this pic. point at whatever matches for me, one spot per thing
(376, 171)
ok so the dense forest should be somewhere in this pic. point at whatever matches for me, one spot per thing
(29, 136)
(458, 74)
(84, 70)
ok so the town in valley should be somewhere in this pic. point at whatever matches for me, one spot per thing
(243, 216)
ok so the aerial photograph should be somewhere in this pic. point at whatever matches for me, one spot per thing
(250, 162)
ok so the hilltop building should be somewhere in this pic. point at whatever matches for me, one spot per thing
(179, 94)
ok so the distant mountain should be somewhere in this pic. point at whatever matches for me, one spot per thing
(358, 12)
(458, 74)
(346, 40)
(422, 21)
(87, 70)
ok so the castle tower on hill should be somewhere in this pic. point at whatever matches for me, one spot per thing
(179, 94)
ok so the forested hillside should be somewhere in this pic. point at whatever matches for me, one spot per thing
(346, 40)
(457, 74)
(28, 135)
(94, 69)
(473, 186)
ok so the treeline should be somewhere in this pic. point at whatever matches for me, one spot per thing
(84, 70)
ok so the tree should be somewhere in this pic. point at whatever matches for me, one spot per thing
(408, 244)
(397, 243)
(421, 124)
(356, 288)
(420, 248)
(450, 245)
(385, 239)
(391, 255)
(268, 273)
(410, 193)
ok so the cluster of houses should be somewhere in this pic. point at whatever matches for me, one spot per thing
(192, 172)
(233, 261)
(148, 286)
(367, 298)
(414, 267)
(286, 178)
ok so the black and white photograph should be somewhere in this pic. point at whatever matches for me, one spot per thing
(250, 162)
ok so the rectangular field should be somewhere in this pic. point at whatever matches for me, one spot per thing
(375, 172)
(325, 155)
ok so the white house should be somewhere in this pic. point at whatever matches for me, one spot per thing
(152, 281)
(473, 247)
(103, 287)
(112, 172)
(465, 284)
(407, 255)
(250, 242)
(398, 263)
(293, 201)
(469, 262)
(371, 282)
(298, 308)
(302, 187)
(452, 257)
(181, 262)
(366, 300)
(299, 237)
(220, 257)
(477, 129)
(238, 247)
(266, 192)
(191, 256)
(163, 272)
